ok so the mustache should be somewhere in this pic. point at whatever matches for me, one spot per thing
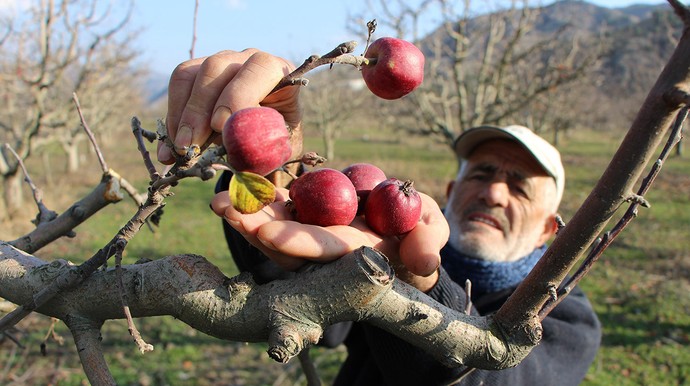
(496, 213)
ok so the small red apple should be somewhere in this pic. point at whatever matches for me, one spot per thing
(256, 140)
(398, 68)
(323, 197)
(364, 177)
(393, 207)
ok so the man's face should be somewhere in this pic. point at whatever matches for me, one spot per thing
(500, 207)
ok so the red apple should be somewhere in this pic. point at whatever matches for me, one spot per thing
(323, 197)
(398, 68)
(393, 207)
(364, 177)
(257, 140)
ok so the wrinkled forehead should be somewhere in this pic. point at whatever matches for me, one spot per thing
(506, 155)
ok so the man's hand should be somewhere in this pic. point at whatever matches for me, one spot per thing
(290, 244)
(204, 92)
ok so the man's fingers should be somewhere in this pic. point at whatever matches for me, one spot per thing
(213, 75)
(179, 88)
(256, 78)
(419, 249)
(311, 242)
(249, 223)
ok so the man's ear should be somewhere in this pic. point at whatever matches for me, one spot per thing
(449, 188)
(550, 228)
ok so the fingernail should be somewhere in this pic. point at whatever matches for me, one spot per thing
(219, 117)
(164, 154)
(183, 139)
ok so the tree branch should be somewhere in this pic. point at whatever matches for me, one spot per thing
(648, 130)
(105, 193)
(87, 338)
(288, 314)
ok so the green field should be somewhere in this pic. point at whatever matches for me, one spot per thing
(640, 288)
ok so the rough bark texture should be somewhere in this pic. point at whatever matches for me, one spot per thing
(289, 314)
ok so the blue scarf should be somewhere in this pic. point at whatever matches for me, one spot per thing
(487, 276)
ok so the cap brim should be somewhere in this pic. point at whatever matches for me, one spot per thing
(470, 139)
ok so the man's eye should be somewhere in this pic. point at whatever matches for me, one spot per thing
(478, 176)
(520, 190)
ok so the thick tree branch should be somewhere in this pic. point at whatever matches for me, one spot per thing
(105, 193)
(648, 130)
(87, 338)
(289, 314)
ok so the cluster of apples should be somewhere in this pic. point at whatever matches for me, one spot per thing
(328, 196)
(257, 140)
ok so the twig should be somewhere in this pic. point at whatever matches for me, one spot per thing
(13, 339)
(150, 167)
(77, 274)
(89, 133)
(160, 188)
(131, 327)
(196, 13)
(635, 201)
(339, 55)
(51, 334)
(371, 28)
(308, 368)
(44, 214)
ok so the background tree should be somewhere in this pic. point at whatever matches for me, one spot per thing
(290, 314)
(193, 288)
(493, 68)
(333, 105)
(55, 49)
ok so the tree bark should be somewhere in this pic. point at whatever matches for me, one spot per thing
(288, 314)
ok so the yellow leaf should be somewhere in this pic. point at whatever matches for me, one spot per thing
(250, 192)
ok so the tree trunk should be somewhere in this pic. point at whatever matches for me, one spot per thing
(72, 151)
(12, 193)
(329, 141)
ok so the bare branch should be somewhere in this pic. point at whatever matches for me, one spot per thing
(630, 214)
(105, 193)
(89, 133)
(196, 12)
(44, 214)
(137, 131)
(337, 56)
(653, 122)
(132, 328)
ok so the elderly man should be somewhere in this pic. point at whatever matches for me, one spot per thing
(499, 216)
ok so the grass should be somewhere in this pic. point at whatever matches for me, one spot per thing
(639, 288)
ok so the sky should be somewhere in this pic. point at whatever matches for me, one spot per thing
(292, 29)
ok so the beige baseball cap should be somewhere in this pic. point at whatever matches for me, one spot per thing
(548, 156)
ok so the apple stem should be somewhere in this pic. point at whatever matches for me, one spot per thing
(334, 56)
(289, 172)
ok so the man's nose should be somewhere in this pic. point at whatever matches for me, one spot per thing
(496, 193)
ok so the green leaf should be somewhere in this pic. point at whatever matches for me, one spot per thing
(250, 192)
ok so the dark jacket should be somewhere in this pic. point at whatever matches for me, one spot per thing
(571, 336)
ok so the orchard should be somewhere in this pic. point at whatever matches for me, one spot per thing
(291, 314)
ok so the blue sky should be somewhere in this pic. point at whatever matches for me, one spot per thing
(292, 29)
